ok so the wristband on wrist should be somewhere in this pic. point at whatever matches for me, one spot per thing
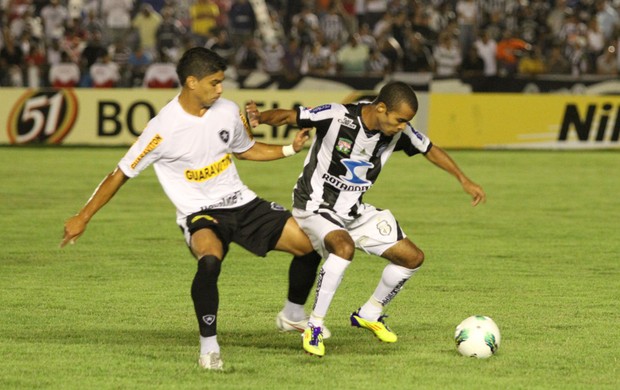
(288, 151)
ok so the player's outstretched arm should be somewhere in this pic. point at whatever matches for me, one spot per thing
(76, 225)
(267, 152)
(440, 158)
(275, 117)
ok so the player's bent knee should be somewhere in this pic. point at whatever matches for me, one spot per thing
(340, 243)
(417, 260)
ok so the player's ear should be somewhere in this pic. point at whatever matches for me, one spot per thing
(191, 82)
(381, 108)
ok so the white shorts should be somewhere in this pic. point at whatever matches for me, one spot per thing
(374, 231)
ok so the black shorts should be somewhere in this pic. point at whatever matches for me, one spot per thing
(256, 226)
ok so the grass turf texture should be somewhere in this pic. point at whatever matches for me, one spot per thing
(114, 310)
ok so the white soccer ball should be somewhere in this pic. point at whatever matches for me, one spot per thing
(477, 336)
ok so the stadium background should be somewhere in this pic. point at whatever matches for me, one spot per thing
(74, 71)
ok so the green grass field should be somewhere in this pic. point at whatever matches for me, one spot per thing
(541, 257)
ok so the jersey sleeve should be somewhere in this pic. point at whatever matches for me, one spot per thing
(242, 136)
(413, 142)
(310, 117)
(145, 151)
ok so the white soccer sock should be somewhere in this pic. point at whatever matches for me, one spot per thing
(209, 344)
(293, 311)
(392, 280)
(329, 279)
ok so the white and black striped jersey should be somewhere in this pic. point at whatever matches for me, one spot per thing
(345, 158)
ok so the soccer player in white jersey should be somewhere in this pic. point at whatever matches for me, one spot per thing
(351, 146)
(190, 144)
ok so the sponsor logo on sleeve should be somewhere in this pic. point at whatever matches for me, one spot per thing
(318, 109)
(149, 148)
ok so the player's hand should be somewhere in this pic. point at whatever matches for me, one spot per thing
(300, 138)
(74, 227)
(253, 114)
(476, 192)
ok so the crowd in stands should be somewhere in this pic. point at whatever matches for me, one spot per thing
(131, 43)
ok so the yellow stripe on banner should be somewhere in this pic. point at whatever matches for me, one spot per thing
(524, 121)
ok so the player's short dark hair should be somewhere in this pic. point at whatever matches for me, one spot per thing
(199, 62)
(395, 93)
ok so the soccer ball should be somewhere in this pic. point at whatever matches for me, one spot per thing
(477, 336)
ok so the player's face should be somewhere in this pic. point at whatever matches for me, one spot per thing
(209, 88)
(395, 121)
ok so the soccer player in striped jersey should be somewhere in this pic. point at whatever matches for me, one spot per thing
(190, 144)
(351, 145)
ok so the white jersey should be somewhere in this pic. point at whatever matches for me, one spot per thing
(192, 156)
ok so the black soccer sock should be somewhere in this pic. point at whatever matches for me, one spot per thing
(301, 277)
(205, 294)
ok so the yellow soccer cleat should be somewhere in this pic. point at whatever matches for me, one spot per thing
(379, 328)
(313, 341)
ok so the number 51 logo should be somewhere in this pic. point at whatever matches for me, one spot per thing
(42, 116)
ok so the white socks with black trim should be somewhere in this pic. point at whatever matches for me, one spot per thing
(329, 279)
(392, 280)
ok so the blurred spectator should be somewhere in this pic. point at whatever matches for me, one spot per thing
(495, 26)
(353, 56)
(509, 50)
(383, 25)
(557, 62)
(472, 65)
(138, 61)
(93, 24)
(277, 26)
(162, 74)
(73, 43)
(12, 62)
(366, 37)
(332, 24)
(607, 18)
(221, 44)
(272, 57)
(607, 63)
(532, 63)
(421, 24)
(577, 55)
(54, 16)
(146, 23)
(374, 10)
(555, 18)
(447, 56)
(28, 22)
(377, 64)
(203, 16)
(317, 61)
(390, 48)
(94, 49)
(241, 22)
(64, 74)
(466, 13)
(247, 58)
(487, 50)
(291, 63)
(120, 52)
(417, 56)
(53, 52)
(595, 42)
(169, 34)
(304, 33)
(117, 17)
(36, 66)
(104, 73)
